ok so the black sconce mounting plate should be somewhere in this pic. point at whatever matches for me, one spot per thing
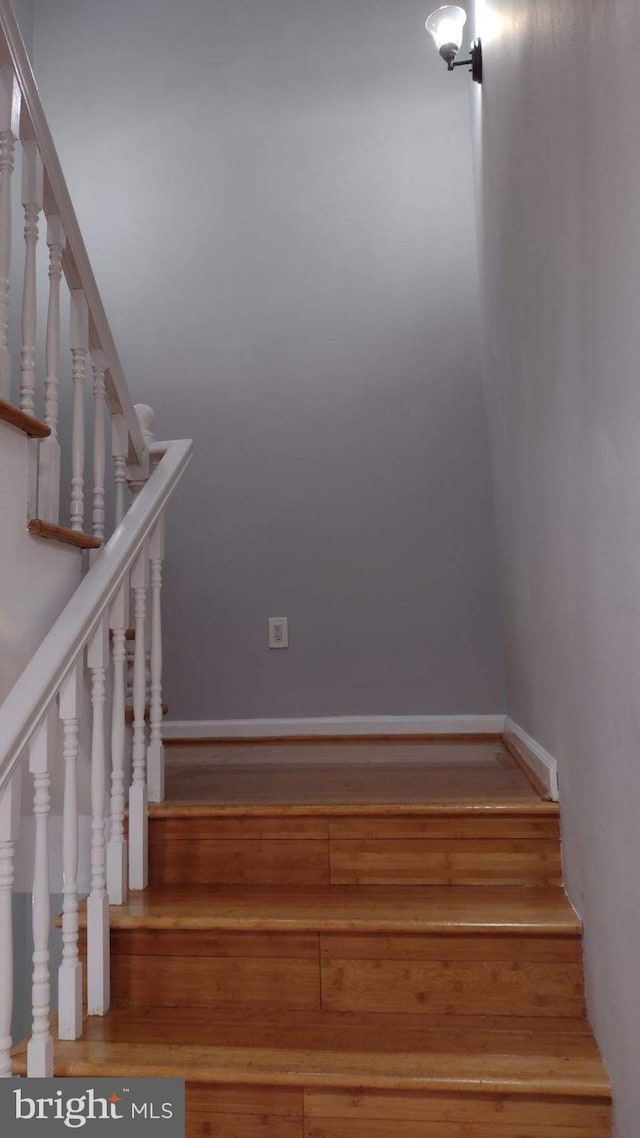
(476, 61)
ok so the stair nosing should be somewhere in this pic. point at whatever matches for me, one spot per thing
(300, 925)
(564, 923)
(392, 809)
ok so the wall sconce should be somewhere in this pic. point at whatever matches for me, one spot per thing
(445, 25)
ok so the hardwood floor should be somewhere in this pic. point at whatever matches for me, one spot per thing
(349, 772)
(353, 940)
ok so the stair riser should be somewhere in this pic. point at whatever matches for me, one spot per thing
(469, 974)
(368, 1128)
(283, 1112)
(350, 851)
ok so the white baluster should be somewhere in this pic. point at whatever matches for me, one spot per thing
(32, 188)
(9, 821)
(99, 370)
(70, 971)
(119, 449)
(155, 750)
(40, 1048)
(49, 462)
(138, 860)
(98, 972)
(79, 347)
(117, 847)
(9, 129)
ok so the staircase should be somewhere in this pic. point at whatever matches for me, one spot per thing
(323, 944)
(353, 968)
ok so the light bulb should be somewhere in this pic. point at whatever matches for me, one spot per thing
(446, 25)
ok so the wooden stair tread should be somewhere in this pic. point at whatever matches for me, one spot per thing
(496, 910)
(51, 532)
(375, 1050)
(31, 426)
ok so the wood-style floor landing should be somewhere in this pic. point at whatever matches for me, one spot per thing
(348, 773)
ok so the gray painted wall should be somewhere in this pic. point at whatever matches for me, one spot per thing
(277, 198)
(24, 10)
(22, 961)
(561, 274)
(22, 966)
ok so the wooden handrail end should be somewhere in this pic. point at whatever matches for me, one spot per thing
(75, 538)
(27, 423)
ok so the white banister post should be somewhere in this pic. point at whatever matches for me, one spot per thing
(98, 970)
(119, 450)
(49, 464)
(99, 370)
(155, 750)
(146, 418)
(9, 821)
(32, 189)
(40, 1047)
(138, 822)
(79, 340)
(70, 971)
(10, 100)
(117, 847)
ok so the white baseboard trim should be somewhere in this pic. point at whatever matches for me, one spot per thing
(346, 725)
(540, 762)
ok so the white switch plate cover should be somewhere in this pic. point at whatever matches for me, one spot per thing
(278, 632)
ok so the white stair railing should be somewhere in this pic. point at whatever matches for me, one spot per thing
(10, 97)
(9, 823)
(51, 684)
(83, 658)
(117, 850)
(70, 972)
(49, 450)
(38, 386)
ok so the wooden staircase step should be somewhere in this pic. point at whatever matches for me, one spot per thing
(464, 1054)
(294, 847)
(447, 950)
(499, 911)
(305, 1075)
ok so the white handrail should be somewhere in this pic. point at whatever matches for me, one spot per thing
(37, 687)
(77, 266)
